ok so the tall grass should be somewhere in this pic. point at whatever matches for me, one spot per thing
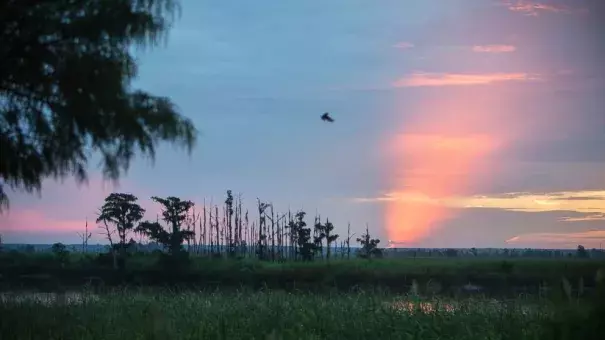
(266, 315)
(444, 276)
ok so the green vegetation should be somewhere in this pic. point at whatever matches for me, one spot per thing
(65, 89)
(443, 276)
(279, 315)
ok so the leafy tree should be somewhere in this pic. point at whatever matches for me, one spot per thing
(61, 253)
(303, 237)
(123, 212)
(174, 213)
(330, 238)
(318, 236)
(65, 73)
(369, 245)
(582, 253)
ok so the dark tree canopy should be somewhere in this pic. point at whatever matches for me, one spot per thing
(65, 73)
(122, 211)
(174, 213)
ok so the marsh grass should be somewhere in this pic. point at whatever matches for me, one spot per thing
(439, 276)
(266, 315)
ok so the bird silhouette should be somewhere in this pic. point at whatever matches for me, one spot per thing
(326, 117)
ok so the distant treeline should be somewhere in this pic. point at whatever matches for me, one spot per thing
(230, 231)
(387, 252)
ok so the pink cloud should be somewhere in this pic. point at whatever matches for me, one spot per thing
(534, 8)
(494, 48)
(403, 45)
(422, 79)
(589, 239)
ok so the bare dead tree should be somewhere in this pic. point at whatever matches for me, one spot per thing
(349, 241)
(216, 225)
(85, 236)
(240, 223)
(272, 233)
(202, 226)
(107, 233)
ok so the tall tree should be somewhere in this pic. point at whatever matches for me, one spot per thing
(65, 73)
(582, 252)
(123, 212)
(305, 245)
(174, 213)
(330, 238)
(369, 245)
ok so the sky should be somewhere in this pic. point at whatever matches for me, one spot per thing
(458, 123)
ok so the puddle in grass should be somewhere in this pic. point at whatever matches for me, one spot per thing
(424, 307)
(70, 298)
(489, 306)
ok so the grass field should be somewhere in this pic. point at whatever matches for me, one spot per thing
(274, 315)
(441, 276)
(246, 299)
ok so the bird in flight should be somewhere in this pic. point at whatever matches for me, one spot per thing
(326, 118)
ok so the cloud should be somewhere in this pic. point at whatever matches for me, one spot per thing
(581, 202)
(403, 45)
(422, 79)
(589, 239)
(494, 48)
(586, 202)
(587, 218)
(534, 8)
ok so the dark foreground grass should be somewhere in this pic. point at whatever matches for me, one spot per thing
(277, 315)
(497, 276)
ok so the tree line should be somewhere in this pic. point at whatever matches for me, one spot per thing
(227, 231)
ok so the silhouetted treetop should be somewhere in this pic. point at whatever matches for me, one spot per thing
(65, 73)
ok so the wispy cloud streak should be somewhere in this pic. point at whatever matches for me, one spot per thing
(534, 8)
(403, 45)
(422, 79)
(494, 48)
(589, 239)
(588, 202)
(588, 218)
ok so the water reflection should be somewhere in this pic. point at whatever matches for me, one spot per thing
(69, 298)
(487, 306)
(423, 307)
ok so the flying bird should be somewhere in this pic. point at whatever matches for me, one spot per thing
(326, 118)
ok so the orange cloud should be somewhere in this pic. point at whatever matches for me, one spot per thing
(403, 45)
(591, 203)
(588, 218)
(589, 239)
(440, 165)
(421, 79)
(494, 48)
(441, 152)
